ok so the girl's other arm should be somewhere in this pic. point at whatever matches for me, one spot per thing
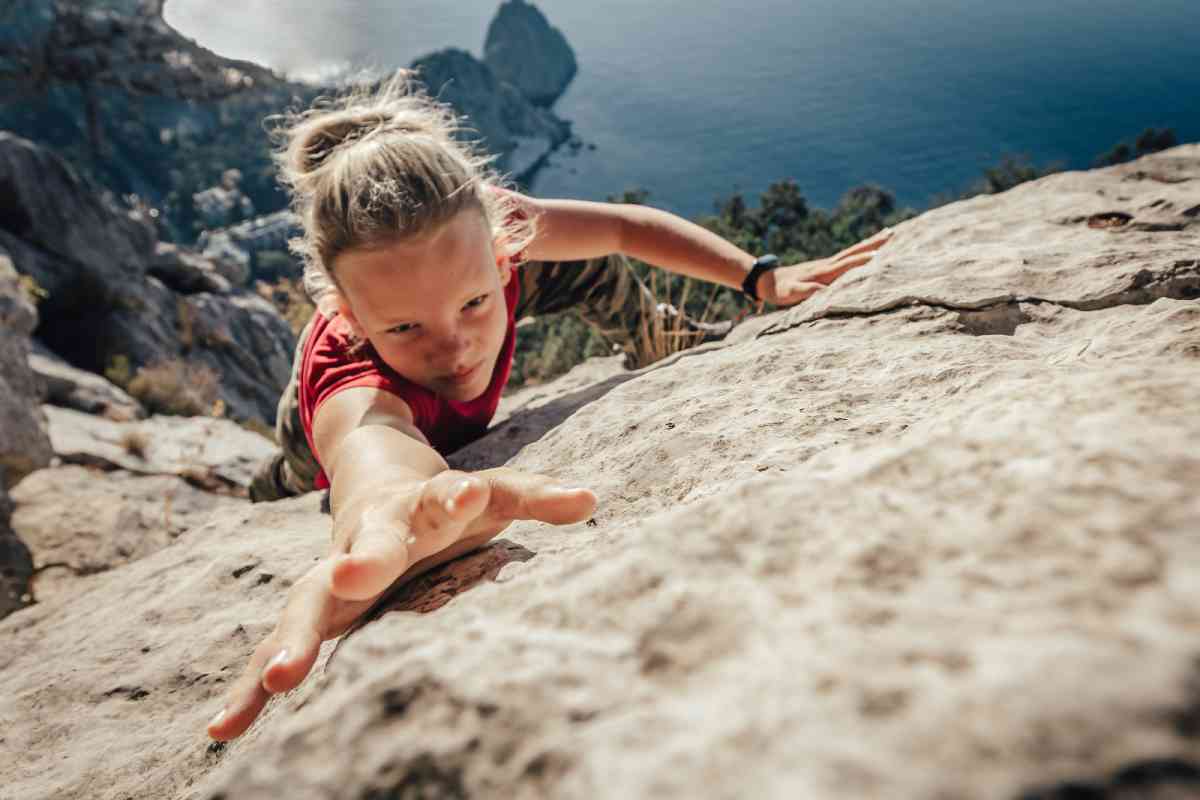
(574, 229)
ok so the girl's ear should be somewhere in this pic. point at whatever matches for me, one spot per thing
(505, 268)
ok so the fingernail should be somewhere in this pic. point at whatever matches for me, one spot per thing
(279, 658)
(215, 720)
(455, 492)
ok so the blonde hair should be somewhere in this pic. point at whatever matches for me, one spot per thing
(378, 165)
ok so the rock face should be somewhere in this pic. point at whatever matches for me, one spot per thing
(112, 294)
(113, 517)
(214, 453)
(83, 391)
(523, 49)
(24, 446)
(136, 106)
(930, 534)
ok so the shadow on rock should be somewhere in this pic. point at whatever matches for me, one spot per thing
(432, 590)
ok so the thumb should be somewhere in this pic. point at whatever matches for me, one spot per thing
(561, 505)
(524, 495)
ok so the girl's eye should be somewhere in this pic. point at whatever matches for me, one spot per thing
(405, 328)
(478, 301)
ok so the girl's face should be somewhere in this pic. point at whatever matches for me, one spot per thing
(433, 307)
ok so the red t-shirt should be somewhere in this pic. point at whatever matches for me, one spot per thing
(329, 365)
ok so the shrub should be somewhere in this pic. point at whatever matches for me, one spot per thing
(1148, 141)
(135, 443)
(176, 387)
(119, 371)
(32, 289)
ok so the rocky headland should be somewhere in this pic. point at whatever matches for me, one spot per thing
(931, 533)
(160, 121)
(523, 49)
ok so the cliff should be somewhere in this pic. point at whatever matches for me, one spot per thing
(931, 533)
(153, 117)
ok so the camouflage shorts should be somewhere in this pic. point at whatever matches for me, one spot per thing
(605, 292)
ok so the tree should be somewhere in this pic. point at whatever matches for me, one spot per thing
(1148, 141)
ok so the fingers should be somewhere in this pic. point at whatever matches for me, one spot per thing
(297, 638)
(392, 537)
(867, 245)
(798, 292)
(841, 267)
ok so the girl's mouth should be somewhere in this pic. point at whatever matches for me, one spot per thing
(463, 377)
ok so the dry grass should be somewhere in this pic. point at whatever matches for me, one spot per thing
(255, 425)
(661, 334)
(135, 443)
(176, 387)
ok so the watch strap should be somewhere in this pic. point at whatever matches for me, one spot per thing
(762, 264)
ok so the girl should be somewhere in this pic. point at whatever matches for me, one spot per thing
(420, 263)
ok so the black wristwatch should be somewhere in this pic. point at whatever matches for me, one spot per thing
(763, 264)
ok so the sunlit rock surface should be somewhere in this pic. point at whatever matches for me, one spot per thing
(931, 534)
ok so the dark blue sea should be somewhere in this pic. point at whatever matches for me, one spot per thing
(693, 100)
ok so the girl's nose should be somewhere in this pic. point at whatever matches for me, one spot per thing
(450, 342)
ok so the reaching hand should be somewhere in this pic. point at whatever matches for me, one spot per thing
(787, 286)
(448, 515)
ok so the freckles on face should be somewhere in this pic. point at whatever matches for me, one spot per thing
(432, 307)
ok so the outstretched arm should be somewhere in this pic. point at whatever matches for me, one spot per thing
(577, 229)
(397, 511)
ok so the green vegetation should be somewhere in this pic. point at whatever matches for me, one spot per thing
(782, 224)
(1148, 141)
(119, 371)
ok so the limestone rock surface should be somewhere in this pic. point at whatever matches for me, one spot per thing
(78, 389)
(523, 49)
(215, 453)
(112, 518)
(875, 546)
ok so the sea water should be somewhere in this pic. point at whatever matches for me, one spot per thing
(692, 101)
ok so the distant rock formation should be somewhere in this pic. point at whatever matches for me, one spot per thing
(123, 44)
(523, 49)
(154, 117)
(136, 107)
(931, 533)
(497, 109)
